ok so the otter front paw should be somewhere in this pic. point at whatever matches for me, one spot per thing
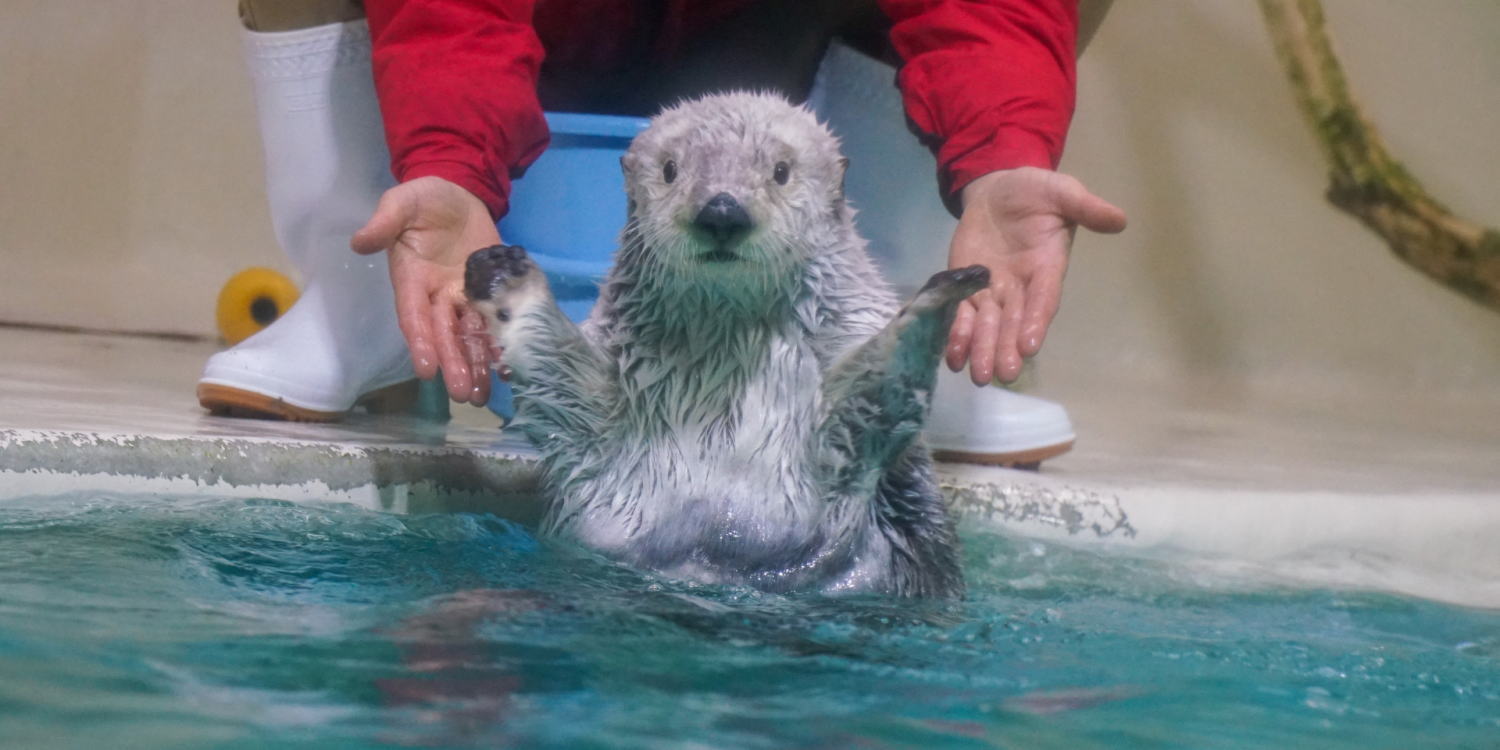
(501, 281)
(494, 271)
(950, 287)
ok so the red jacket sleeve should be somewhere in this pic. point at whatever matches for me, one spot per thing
(457, 86)
(992, 83)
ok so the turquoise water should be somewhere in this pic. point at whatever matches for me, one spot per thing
(151, 622)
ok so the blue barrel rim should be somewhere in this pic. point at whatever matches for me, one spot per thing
(608, 126)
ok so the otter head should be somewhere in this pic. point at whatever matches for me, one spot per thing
(734, 186)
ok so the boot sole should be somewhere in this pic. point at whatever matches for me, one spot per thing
(228, 401)
(1028, 459)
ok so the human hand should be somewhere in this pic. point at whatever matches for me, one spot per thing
(1019, 223)
(429, 226)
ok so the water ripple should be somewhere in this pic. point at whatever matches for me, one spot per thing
(184, 622)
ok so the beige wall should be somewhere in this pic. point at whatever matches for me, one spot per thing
(131, 184)
(131, 170)
(1233, 261)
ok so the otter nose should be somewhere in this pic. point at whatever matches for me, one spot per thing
(722, 216)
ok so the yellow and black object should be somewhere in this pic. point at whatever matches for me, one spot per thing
(251, 300)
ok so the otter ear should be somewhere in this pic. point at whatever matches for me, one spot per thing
(625, 163)
(839, 206)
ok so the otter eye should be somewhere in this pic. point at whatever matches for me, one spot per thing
(782, 173)
(669, 170)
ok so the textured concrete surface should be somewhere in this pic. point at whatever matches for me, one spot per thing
(1323, 484)
(83, 411)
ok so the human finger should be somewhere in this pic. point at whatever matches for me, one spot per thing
(412, 305)
(1007, 353)
(1043, 295)
(986, 333)
(959, 336)
(455, 364)
(478, 351)
(393, 214)
(1086, 209)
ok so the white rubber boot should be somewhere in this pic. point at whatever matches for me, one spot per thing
(992, 425)
(326, 167)
(892, 183)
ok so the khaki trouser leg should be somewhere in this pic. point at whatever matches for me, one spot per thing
(289, 15)
(1090, 18)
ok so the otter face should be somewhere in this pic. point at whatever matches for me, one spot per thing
(734, 184)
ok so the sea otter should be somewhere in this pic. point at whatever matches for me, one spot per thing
(743, 405)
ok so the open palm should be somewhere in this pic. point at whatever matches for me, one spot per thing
(428, 227)
(1019, 223)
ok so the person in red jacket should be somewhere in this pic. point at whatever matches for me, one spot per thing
(462, 84)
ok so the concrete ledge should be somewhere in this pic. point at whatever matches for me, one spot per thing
(417, 479)
(1310, 489)
(1430, 545)
(1434, 545)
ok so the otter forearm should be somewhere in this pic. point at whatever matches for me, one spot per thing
(562, 381)
(876, 397)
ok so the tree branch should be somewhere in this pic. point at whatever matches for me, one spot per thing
(1365, 180)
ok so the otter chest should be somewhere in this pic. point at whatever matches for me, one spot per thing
(734, 477)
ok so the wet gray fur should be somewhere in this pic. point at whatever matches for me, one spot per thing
(740, 410)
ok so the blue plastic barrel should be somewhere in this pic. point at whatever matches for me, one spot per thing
(567, 212)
